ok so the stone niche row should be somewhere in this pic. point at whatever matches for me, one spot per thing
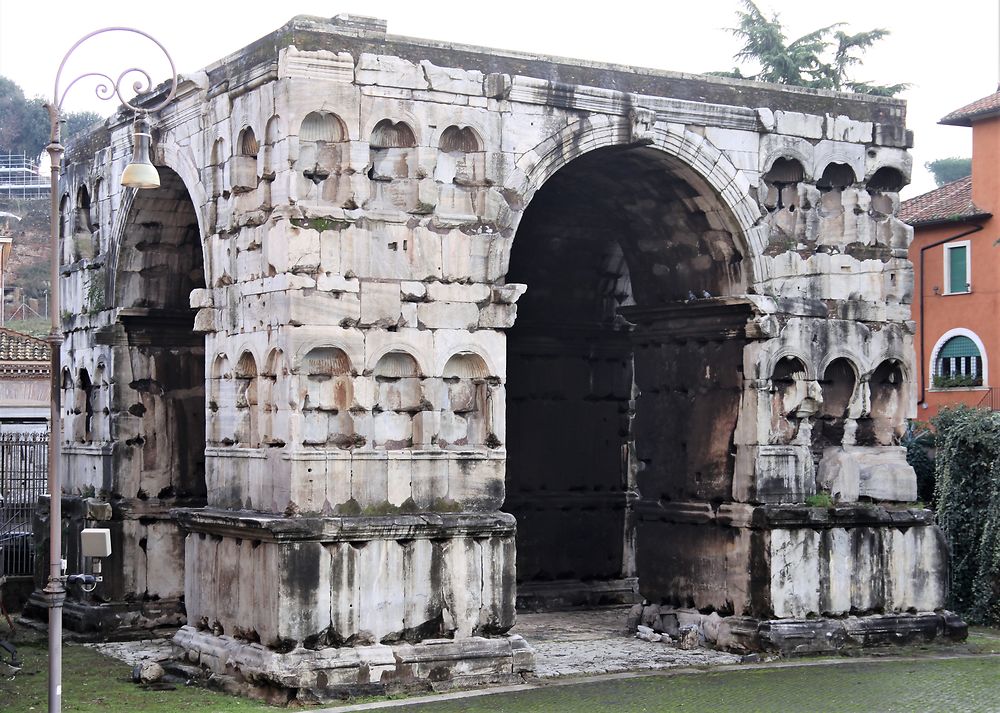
(329, 165)
(327, 404)
(85, 400)
(842, 408)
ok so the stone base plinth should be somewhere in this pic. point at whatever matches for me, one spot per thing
(122, 620)
(794, 637)
(321, 675)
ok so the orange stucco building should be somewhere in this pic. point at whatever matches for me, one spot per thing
(956, 269)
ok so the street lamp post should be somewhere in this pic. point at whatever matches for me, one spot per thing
(140, 173)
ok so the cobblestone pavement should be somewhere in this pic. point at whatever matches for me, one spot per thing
(579, 643)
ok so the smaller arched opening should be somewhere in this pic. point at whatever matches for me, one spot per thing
(791, 401)
(838, 387)
(460, 139)
(221, 403)
(465, 419)
(782, 181)
(65, 239)
(243, 165)
(83, 408)
(273, 398)
(398, 396)
(83, 227)
(461, 171)
(886, 421)
(217, 167)
(886, 180)
(247, 416)
(320, 136)
(836, 177)
(327, 397)
(272, 135)
(391, 151)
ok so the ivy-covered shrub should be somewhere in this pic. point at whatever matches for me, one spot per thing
(967, 493)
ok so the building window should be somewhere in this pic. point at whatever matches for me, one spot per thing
(958, 364)
(957, 275)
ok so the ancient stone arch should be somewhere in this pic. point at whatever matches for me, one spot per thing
(730, 331)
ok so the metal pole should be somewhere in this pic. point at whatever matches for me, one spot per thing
(55, 589)
(108, 88)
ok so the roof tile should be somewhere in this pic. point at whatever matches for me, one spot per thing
(981, 108)
(952, 201)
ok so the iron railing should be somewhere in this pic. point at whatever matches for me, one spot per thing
(23, 478)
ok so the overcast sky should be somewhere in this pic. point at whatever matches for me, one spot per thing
(947, 51)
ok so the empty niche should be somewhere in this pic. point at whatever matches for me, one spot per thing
(83, 408)
(69, 402)
(838, 386)
(328, 393)
(462, 160)
(789, 399)
(243, 166)
(782, 182)
(320, 136)
(99, 399)
(886, 180)
(273, 398)
(457, 139)
(887, 420)
(221, 403)
(66, 220)
(398, 396)
(465, 420)
(95, 213)
(836, 177)
(83, 227)
(217, 167)
(390, 146)
(247, 415)
(271, 137)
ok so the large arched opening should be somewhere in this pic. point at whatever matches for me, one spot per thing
(161, 365)
(624, 375)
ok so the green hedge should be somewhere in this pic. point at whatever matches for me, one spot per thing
(967, 495)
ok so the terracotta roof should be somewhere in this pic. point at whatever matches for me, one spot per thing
(950, 202)
(979, 109)
(15, 346)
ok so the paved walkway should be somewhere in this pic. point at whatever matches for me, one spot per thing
(591, 642)
(574, 643)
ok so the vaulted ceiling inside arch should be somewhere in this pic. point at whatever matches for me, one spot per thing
(618, 213)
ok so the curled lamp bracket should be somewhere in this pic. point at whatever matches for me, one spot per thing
(109, 88)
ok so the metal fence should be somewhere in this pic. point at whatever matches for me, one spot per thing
(23, 477)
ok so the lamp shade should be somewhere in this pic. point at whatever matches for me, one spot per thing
(140, 172)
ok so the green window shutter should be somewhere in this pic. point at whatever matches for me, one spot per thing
(959, 347)
(958, 275)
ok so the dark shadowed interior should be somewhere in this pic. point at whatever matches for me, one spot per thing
(162, 370)
(624, 368)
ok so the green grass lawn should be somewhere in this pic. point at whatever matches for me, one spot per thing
(930, 686)
(99, 684)
(96, 683)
